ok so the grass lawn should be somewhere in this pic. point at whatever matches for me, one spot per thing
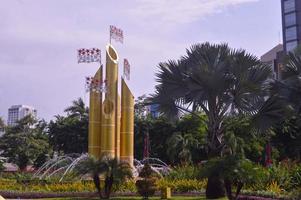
(129, 198)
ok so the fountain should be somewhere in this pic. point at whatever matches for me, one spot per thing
(61, 166)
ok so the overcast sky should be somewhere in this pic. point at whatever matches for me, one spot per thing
(39, 39)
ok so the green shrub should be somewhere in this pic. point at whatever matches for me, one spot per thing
(263, 177)
(296, 193)
(296, 177)
(286, 175)
(279, 180)
(280, 173)
(146, 183)
(1, 166)
(183, 185)
(274, 188)
(234, 171)
(183, 172)
(128, 186)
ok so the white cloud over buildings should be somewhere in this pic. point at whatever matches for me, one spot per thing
(185, 11)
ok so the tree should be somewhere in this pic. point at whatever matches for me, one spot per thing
(93, 167)
(197, 128)
(235, 170)
(218, 81)
(288, 136)
(70, 134)
(24, 143)
(289, 87)
(112, 170)
(140, 107)
(77, 109)
(241, 138)
(2, 124)
(181, 146)
(159, 130)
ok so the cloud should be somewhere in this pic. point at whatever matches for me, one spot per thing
(170, 11)
(39, 41)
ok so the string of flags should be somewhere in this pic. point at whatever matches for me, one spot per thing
(95, 85)
(126, 69)
(89, 55)
(116, 34)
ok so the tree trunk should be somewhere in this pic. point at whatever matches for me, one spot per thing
(215, 187)
(238, 189)
(108, 186)
(97, 184)
(228, 187)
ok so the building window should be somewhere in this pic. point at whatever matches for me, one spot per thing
(291, 33)
(289, 6)
(290, 46)
(290, 19)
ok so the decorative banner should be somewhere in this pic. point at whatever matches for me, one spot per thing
(95, 85)
(146, 149)
(267, 155)
(116, 34)
(126, 69)
(89, 55)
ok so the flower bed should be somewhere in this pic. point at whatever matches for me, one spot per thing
(37, 195)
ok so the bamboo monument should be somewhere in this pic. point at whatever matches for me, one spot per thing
(111, 120)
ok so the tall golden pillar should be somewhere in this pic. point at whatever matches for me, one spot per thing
(95, 118)
(117, 130)
(127, 124)
(107, 141)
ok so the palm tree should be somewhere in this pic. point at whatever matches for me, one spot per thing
(2, 125)
(112, 170)
(289, 87)
(78, 109)
(181, 146)
(286, 91)
(93, 167)
(218, 81)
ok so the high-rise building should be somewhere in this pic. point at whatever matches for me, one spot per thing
(274, 58)
(154, 110)
(291, 24)
(17, 112)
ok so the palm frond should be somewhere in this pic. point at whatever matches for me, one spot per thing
(293, 66)
(272, 112)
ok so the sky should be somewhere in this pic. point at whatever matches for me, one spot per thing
(39, 41)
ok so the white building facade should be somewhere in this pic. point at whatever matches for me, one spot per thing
(17, 112)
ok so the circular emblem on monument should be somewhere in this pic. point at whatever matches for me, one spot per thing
(108, 107)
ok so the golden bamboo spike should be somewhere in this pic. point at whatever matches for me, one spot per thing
(95, 118)
(127, 124)
(109, 105)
